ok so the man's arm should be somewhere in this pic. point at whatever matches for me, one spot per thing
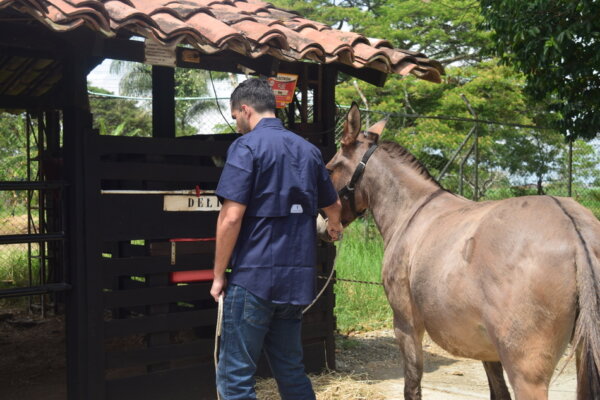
(334, 223)
(228, 230)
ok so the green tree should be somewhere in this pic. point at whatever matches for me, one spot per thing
(586, 159)
(136, 80)
(119, 116)
(13, 160)
(555, 43)
(444, 30)
(495, 92)
(13, 150)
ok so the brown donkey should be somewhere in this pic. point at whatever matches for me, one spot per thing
(507, 282)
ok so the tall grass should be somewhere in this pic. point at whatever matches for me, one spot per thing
(360, 307)
(14, 271)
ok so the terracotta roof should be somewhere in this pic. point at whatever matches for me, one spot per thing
(249, 27)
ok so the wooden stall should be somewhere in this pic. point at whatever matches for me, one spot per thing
(137, 329)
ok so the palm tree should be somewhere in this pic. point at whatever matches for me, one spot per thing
(136, 80)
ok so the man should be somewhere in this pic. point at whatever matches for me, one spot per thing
(271, 187)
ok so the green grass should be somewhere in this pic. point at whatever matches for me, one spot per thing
(360, 307)
(13, 266)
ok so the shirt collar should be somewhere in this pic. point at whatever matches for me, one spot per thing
(269, 123)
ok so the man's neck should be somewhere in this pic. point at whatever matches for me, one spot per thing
(255, 118)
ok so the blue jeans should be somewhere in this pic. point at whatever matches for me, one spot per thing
(250, 322)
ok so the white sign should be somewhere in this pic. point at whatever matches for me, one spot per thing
(158, 54)
(191, 203)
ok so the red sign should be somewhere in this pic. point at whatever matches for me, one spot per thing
(283, 86)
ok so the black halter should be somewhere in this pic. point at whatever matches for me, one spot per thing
(347, 192)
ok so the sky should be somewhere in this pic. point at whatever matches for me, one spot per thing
(101, 77)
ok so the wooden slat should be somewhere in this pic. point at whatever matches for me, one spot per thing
(141, 216)
(115, 170)
(139, 266)
(182, 248)
(160, 323)
(314, 357)
(195, 382)
(157, 295)
(315, 330)
(122, 359)
(161, 146)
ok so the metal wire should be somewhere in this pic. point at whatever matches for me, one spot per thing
(350, 280)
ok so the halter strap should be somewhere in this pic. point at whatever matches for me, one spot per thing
(347, 191)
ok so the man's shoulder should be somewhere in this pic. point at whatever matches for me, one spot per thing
(274, 138)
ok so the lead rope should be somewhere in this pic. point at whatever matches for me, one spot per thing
(217, 335)
(326, 283)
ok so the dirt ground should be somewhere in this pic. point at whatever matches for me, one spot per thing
(32, 361)
(32, 365)
(375, 355)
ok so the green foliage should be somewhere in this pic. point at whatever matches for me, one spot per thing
(444, 30)
(14, 266)
(137, 81)
(13, 152)
(555, 44)
(495, 93)
(360, 306)
(119, 116)
(585, 164)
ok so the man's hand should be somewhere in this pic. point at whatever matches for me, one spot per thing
(334, 229)
(218, 287)
(334, 224)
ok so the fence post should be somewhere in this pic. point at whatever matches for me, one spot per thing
(570, 168)
(475, 146)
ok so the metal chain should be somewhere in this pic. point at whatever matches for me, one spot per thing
(350, 280)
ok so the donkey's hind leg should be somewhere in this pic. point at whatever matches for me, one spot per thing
(410, 337)
(495, 375)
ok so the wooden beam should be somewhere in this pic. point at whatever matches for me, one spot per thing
(30, 39)
(369, 75)
(225, 61)
(27, 103)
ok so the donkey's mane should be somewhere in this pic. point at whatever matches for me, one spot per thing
(397, 151)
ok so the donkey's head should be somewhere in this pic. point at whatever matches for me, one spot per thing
(347, 165)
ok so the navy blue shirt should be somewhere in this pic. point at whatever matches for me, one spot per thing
(282, 180)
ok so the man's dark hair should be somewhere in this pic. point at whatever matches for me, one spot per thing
(254, 92)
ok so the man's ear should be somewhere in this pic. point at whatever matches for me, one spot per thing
(351, 125)
(375, 130)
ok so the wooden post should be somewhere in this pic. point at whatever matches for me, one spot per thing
(85, 362)
(328, 106)
(570, 168)
(163, 102)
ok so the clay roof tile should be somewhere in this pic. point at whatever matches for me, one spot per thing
(251, 27)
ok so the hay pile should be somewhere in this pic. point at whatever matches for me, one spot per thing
(328, 386)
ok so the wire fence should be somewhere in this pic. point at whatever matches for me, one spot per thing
(19, 209)
(510, 160)
(490, 160)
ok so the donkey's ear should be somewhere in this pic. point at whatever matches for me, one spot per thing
(351, 125)
(375, 130)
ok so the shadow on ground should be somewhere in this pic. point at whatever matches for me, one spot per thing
(377, 356)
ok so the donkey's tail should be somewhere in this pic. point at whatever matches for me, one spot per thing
(586, 338)
(586, 341)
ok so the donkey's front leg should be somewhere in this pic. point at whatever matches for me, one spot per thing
(410, 336)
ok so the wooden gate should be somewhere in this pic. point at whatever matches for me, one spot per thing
(145, 333)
